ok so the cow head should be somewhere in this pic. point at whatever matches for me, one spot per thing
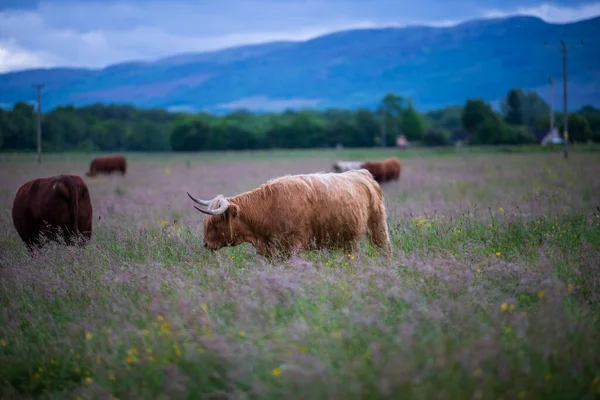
(223, 226)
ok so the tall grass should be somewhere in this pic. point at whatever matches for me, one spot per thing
(492, 292)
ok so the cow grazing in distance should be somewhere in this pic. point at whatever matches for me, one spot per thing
(343, 166)
(300, 212)
(107, 165)
(384, 170)
(42, 205)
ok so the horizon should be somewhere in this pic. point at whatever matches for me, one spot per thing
(19, 53)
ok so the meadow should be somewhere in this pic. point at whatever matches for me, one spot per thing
(492, 291)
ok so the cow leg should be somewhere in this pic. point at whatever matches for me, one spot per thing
(379, 236)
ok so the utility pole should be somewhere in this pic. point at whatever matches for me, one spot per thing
(565, 112)
(39, 87)
(551, 104)
(565, 109)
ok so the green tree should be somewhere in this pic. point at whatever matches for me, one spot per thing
(412, 125)
(579, 129)
(475, 112)
(514, 111)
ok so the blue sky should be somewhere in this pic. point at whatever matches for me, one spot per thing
(98, 33)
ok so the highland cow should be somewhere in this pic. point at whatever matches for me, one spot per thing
(55, 207)
(384, 170)
(107, 165)
(300, 212)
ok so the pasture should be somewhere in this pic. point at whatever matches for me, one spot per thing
(492, 291)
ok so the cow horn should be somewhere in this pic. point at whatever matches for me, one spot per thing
(224, 205)
(201, 202)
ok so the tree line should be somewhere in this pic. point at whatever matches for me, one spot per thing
(524, 116)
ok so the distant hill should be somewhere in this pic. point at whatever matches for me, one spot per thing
(355, 68)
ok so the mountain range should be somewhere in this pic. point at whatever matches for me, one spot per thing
(434, 66)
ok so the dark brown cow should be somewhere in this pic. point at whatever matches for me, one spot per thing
(42, 205)
(384, 170)
(107, 165)
(300, 212)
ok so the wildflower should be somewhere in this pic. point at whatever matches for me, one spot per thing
(204, 307)
(511, 307)
(302, 349)
(201, 350)
(232, 257)
(36, 376)
(111, 377)
(540, 294)
(497, 254)
(98, 360)
(3, 342)
(132, 352)
(146, 332)
(548, 377)
(504, 307)
(88, 380)
(478, 372)
(507, 330)
(242, 333)
(130, 359)
(336, 335)
(570, 287)
(148, 350)
(501, 209)
(276, 372)
(77, 355)
(176, 350)
(40, 369)
(160, 318)
(367, 356)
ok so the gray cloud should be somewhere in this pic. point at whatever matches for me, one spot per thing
(96, 34)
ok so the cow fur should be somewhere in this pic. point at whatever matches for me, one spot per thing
(108, 165)
(42, 205)
(302, 212)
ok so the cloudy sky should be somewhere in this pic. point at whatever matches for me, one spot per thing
(94, 33)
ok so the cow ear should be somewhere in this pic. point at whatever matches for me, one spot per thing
(234, 210)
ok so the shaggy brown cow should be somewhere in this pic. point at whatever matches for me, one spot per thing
(384, 170)
(300, 212)
(107, 164)
(42, 205)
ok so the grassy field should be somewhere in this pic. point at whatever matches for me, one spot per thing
(492, 291)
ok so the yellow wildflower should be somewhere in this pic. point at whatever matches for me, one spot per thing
(570, 287)
(276, 372)
(201, 350)
(160, 318)
(540, 294)
(88, 380)
(111, 377)
(242, 333)
(77, 355)
(507, 329)
(36, 376)
(89, 335)
(501, 209)
(497, 254)
(478, 372)
(98, 360)
(511, 307)
(146, 332)
(302, 349)
(204, 307)
(176, 350)
(3, 342)
(504, 306)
